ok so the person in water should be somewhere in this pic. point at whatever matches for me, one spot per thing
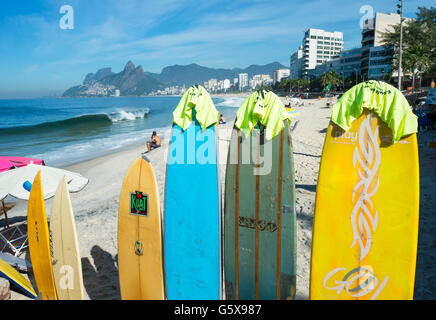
(154, 143)
(222, 120)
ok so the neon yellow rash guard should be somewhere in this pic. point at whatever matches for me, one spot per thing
(385, 100)
(197, 98)
(264, 107)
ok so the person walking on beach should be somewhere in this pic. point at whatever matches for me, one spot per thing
(154, 143)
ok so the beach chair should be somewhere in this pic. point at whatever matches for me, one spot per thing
(14, 239)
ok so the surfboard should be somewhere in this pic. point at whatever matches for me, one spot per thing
(259, 217)
(365, 228)
(18, 263)
(8, 272)
(192, 220)
(292, 112)
(139, 235)
(39, 242)
(67, 266)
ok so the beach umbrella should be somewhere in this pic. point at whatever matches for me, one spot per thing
(18, 182)
(7, 163)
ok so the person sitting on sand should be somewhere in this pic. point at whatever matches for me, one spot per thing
(154, 143)
(287, 102)
(222, 120)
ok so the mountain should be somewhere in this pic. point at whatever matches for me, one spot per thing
(261, 69)
(194, 74)
(132, 81)
(100, 74)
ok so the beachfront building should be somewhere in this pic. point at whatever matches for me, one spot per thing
(349, 64)
(243, 81)
(380, 62)
(333, 64)
(372, 37)
(266, 79)
(256, 81)
(280, 74)
(212, 83)
(260, 79)
(296, 64)
(319, 46)
(226, 84)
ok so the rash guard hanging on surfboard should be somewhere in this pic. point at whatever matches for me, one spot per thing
(262, 107)
(196, 98)
(383, 99)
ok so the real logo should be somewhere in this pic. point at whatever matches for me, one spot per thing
(139, 204)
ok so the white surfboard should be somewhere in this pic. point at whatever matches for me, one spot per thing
(67, 267)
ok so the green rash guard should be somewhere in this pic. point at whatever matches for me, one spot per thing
(385, 100)
(197, 98)
(264, 107)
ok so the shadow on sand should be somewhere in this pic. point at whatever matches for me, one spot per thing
(307, 187)
(101, 282)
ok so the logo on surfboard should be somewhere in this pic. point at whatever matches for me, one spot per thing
(361, 280)
(139, 204)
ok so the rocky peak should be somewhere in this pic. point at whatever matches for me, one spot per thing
(129, 67)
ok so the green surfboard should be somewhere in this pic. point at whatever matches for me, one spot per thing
(259, 217)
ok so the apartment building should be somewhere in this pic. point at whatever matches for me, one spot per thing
(372, 37)
(280, 74)
(243, 80)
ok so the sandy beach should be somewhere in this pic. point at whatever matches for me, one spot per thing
(96, 207)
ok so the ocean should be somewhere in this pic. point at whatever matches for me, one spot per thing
(65, 131)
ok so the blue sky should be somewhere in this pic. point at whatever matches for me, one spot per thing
(37, 57)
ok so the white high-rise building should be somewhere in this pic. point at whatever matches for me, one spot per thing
(280, 74)
(226, 84)
(243, 80)
(212, 83)
(318, 47)
(296, 63)
(256, 81)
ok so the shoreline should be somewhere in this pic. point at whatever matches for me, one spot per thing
(114, 128)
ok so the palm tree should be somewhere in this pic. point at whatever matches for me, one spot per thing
(331, 78)
(419, 41)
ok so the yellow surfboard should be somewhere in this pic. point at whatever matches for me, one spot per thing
(67, 267)
(365, 229)
(292, 112)
(39, 242)
(140, 261)
(6, 271)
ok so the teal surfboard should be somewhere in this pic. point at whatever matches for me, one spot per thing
(259, 217)
(192, 217)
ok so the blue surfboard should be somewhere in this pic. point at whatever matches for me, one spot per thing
(192, 218)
